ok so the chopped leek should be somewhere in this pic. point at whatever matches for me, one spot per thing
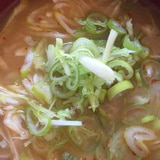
(85, 43)
(123, 66)
(132, 45)
(114, 25)
(57, 69)
(63, 114)
(27, 64)
(42, 90)
(138, 78)
(95, 23)
(118, 88)
(148, 118)
(39, 108)
(38, 124)
(50, 56)
(60, 91)
(129, 27)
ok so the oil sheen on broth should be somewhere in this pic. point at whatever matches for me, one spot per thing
(55, 101)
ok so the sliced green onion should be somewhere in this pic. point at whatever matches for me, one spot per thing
(27, 64)
(95, 23)
(82, 52)
(72, 81)
(121, 52)
(85, 75)
(50, 56)
(57, 59)
(62, 56)
(122, 67)
(63, 114)
(145, 53)
(39, 108)
(119, 76)
(40, 46)
(37, 123)
(84, 43)
(42, 90)
(94, 102)
(39, 62)
(129, 27)
(118, 88)
(61, 91)
(138, 78)
(39, 49)
(56, 73)
(89, 91)
(147, 119)
(132, 45)
(59, 43)
(101, 94)
(114, 25)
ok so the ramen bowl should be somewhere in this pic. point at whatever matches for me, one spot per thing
(80, 80)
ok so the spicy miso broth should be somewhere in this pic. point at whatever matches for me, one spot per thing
(80, 80)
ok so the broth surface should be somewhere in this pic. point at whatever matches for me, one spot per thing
(126, 127)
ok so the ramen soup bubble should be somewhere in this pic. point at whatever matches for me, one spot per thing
(80, 80)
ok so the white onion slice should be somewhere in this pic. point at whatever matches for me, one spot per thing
(97, 67)
(135, 137)
(66, 123)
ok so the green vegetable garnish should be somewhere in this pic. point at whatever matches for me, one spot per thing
(132, 45)
(115, 29)
(95, 23)
(118, 88)
(38, 124)
(27, 64)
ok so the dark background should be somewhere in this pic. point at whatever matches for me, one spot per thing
(6, 6)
